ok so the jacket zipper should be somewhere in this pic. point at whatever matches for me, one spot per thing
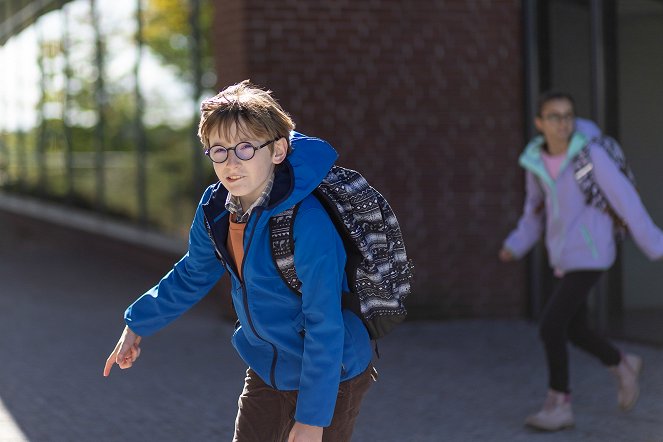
(245, 298)
(589, 241)
(233, 270)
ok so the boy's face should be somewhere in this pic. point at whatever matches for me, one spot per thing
(556, 121)
(247, 179)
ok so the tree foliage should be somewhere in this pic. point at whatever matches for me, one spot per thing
(167, 31)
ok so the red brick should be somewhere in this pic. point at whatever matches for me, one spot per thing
(425, 99)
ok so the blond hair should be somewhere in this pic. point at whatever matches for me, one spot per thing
(252, 110)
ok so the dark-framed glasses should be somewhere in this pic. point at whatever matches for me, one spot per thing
(558, 118)
(243, 150)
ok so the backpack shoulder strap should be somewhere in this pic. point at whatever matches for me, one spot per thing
(282, 243)
(584, 175)
(583, 170)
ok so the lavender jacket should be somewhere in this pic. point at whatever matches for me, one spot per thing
(579, 236)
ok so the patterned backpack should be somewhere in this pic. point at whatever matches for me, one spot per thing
(584, 175)
(377, 266)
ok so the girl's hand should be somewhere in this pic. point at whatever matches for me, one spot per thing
(505, 255)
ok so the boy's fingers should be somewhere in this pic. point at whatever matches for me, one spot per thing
(135, 349)
(124, 354)
(135, 353)
(109, 364)
(113, 358)
(126, 362)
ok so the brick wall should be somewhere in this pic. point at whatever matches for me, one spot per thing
(425, 99)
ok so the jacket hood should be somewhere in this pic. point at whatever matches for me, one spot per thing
(302, 171)
(588, 128)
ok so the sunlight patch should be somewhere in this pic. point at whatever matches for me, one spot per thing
(9, 430)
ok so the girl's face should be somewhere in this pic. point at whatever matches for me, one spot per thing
(556, 121)
(246, 179)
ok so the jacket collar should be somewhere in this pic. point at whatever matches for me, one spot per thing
(532, 160)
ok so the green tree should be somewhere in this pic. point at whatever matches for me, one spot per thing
(167, 31)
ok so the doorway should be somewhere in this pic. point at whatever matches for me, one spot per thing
(609, 56)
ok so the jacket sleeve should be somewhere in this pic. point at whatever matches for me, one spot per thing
(624, 199)
(531, 222)
(320, 262)
(188, 282)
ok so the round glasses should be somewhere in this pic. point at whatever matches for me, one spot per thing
(243, 150)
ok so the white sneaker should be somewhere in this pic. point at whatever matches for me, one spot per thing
(556, 413)
(627, 373)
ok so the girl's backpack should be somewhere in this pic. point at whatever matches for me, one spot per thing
(584, 175)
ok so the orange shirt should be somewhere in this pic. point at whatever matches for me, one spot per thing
(235, 243)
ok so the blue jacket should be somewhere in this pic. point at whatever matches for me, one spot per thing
(579, 236)
(306, 343)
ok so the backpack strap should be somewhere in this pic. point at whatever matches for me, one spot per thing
(583, 170)
(584, 175)
(281, 235)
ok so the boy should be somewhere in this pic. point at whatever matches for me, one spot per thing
(309, 360)
(580, 240)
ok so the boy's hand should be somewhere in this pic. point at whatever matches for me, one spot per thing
(505, 255)
(125, 353)
(305, 433)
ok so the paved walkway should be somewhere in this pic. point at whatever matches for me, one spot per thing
(61, 300)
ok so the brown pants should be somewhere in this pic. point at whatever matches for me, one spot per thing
(266, 414)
